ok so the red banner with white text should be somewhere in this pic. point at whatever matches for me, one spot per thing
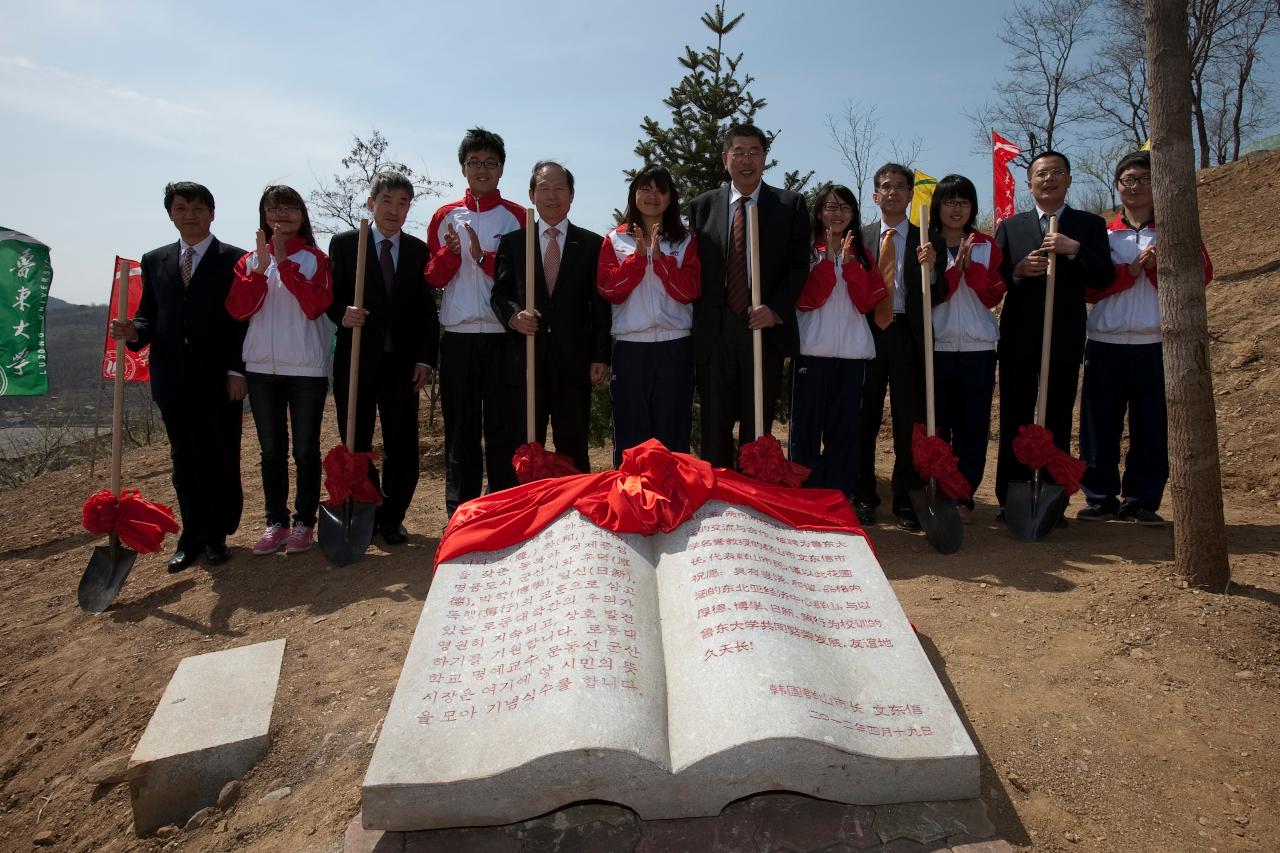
(136, 364)
(1002, 151)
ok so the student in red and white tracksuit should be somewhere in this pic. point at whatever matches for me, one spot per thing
(480, 385)
(650, 273)
(283, 289)
(835, 345)
(965, 332)
(1124, 365)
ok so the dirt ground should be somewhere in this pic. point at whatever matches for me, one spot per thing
(1112, 709)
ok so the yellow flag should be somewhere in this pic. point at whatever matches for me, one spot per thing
(1146, 146)
(925, 185)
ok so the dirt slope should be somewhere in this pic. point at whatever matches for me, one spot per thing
(1113, 710)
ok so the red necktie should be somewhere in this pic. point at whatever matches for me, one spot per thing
(737, 289)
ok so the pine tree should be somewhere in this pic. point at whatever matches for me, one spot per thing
(706, 101)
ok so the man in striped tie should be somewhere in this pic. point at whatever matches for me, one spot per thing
(197, 375)
(570, 318)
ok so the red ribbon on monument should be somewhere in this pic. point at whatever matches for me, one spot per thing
(136, 364)
(1002, 151)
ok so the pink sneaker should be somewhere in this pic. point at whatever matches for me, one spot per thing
(300, 539)
(272, 539)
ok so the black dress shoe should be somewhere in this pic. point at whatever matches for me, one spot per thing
(181, 560)
(866, 512)
(907, 519)
(395, 535)
(216, 555)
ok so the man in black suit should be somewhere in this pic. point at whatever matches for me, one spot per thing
(1084, 262)
(197, 376)
(570, 318)
(897, 327)
(723, 318)
(397, 347)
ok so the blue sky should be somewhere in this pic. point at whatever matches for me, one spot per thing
(104, 102)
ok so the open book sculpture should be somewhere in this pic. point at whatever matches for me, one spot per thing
(668, 637)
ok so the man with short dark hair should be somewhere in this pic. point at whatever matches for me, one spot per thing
(1083, 264)
(897, 326)
(197, 375)
(478, 394)
(397, 347)
(1124, 365)
(723, 318)
(570, 320)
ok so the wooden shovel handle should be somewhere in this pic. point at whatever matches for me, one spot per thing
(530, 234)
(117, 402)
(926, 273)
(353, 376)
(757, 337)
(1046, 335)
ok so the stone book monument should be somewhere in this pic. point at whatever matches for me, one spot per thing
(671, 673)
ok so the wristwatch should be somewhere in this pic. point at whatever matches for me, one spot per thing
(484, 256)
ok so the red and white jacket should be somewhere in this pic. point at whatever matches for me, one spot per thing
(650, 295)
(1128, 312)
(289, 334)
(834, 325)
(963, 321)
(465, 307)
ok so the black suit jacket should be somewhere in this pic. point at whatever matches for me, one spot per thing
(194, 341)
(574, 329)
(409, 313)
(784, 264)
(910, 277)
(1022, 317)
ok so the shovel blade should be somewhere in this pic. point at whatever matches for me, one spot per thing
(344, 532)
(938, 518)
(106, 573)
(1032, 509)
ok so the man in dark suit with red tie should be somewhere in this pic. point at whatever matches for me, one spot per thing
(1084, 263)
(197, 375)
(570, 318)
(397, 347)
(723, 318)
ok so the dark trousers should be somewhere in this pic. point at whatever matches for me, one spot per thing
(652, 391)
(1019, 379)
(896, 368)
(204, 443)
(562, 397)
(1120, 377)
(276, 401)
(388, 392)
(477, 399)
(962, 386)
(826, 419)
(726, 390)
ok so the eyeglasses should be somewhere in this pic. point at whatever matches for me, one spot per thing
(885, 189)
(488, 165)
(831, 207)
(746, 153)
(1044, 173)
(1135, 181)
(957, 203)
(283, 210)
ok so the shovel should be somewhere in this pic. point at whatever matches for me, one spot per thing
(344, 532)
(109, 566)
(937, 513)
(1032, 509)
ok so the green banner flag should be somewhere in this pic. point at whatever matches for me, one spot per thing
(25, 276)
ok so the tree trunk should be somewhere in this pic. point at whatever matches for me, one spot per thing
(1195, 478)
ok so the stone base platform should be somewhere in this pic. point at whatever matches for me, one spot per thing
(764, 823)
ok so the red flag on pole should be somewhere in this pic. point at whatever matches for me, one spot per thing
(1002, 151)
(136, 366)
